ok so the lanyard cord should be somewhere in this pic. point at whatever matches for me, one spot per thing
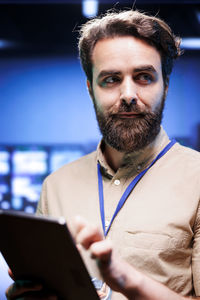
(128, 189)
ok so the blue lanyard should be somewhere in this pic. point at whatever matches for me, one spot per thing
(128, 189)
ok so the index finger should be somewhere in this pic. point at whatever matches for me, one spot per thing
(78, 224)
(20, 287)
(10, 273)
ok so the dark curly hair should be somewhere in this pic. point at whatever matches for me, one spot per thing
(152, 30)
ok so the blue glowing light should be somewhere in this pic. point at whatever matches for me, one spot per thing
(90, 8)
(190, 43)
(5, 44)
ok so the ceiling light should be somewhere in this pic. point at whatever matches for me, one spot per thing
(90, 8)
(190, 43)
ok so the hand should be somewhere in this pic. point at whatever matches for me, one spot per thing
(112, 268)
(27, 290)
(118, 274)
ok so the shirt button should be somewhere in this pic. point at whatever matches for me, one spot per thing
(117, 182)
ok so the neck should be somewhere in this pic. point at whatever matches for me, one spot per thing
(113, 157)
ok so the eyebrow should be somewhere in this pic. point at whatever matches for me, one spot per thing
(148, 68)
(104, 73)
(138, 69)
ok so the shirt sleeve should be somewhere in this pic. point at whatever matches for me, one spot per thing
(196, 254)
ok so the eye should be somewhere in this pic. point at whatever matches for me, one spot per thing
(144, 78)
(110, 80)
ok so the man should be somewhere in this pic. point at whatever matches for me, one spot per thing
(142, 189)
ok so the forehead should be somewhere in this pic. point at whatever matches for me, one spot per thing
(123, 54)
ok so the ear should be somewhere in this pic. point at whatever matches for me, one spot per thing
(166, 91)
(89, 86)
(166, 86)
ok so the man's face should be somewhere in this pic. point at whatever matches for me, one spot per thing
(126, 68)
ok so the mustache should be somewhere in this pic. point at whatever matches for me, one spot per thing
(132, 107)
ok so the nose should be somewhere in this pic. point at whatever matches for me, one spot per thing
(128, 92)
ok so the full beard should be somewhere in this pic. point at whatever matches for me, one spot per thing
(128, 135)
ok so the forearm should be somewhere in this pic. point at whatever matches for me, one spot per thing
(140, 287)
(148, 289)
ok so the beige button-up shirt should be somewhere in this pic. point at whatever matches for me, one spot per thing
(158, 228)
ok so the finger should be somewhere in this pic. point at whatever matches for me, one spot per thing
(89, 235)
(20, 287)
(10, 273)
(42, 297)
(79, 247)
(103, 292)
(102, 251)
(78, 224)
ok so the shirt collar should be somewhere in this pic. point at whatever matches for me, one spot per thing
(134, 162)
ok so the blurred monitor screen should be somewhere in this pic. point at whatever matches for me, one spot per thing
(4, 161)
(60, 157)
(23, 169)
(32, 162)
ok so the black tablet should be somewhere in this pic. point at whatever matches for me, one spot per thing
(42, 249)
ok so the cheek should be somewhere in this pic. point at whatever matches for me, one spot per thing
(152, 97)
(106, 100)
